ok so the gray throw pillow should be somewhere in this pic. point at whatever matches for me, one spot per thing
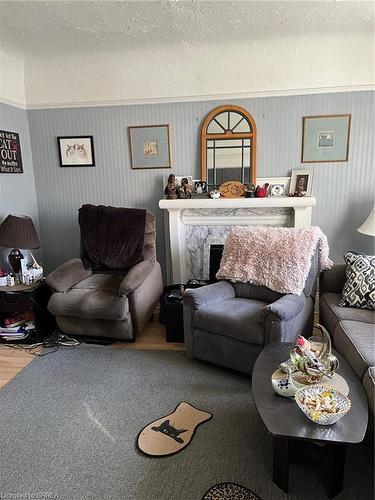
(359, 287)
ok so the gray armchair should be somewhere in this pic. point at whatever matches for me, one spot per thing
(107, 303)
(229, 323)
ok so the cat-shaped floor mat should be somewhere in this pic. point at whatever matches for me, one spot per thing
(170, 434)
(230, 491)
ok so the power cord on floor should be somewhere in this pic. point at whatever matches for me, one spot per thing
(52, 342)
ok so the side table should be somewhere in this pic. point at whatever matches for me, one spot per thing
(171, 314)
(15, 298)
(171, 311)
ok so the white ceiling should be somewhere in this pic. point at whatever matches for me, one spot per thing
(41, 28)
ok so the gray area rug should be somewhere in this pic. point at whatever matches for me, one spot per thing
(69, 423)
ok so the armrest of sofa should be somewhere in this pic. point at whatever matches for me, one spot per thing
(199, 297)
(67, 275)
(332, 280)
(135, 277)
(285, 308)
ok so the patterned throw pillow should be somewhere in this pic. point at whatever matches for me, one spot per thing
(359, 288)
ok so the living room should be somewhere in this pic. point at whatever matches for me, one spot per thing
(187, 270)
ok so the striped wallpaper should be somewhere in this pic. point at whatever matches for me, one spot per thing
(344, 191)
(17, 191)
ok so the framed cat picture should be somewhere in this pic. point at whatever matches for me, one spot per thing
(76, 151)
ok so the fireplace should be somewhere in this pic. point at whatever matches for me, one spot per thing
(194, 226)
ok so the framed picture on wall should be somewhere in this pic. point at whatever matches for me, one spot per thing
(301, 183)
(325, 138)
(76, 151)
(150, 146)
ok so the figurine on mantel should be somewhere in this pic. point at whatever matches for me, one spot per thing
(184, 190)
(261, 192)
(215, 194)
(171, 189)
(249, 191)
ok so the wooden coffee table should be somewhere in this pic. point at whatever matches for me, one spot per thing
(291, 429)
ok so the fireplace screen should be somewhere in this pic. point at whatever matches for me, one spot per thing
(216, 251)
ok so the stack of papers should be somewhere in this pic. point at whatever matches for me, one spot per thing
(17, 333)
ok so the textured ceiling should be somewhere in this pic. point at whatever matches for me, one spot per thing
(37, 28)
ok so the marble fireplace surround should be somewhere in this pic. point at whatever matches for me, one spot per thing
(196, 224)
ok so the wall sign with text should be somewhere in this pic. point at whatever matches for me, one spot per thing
(10, 153)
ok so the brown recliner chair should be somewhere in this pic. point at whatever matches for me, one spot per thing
(107, 302)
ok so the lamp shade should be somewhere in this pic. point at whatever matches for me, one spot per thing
(18, 231)
(368, 227)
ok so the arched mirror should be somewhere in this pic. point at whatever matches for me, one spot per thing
(228, 146)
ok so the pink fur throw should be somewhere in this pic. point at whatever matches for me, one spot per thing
(276, 257)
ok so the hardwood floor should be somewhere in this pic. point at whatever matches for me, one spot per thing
(13, 360)
(152, 337)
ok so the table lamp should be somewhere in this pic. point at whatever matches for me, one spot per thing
(18, 231)
(368, 227)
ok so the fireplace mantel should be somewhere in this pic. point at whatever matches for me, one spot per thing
(269, 202)
(217, 216)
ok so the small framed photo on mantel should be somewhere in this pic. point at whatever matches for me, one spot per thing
(301, 183)
(76, 151)
(277, 186)
(200, 187)
(150, 146)
(325, 138)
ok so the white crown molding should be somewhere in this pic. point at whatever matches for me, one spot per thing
(209, 97)
(15, 104)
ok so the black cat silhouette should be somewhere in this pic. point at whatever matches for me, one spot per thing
(170, 431)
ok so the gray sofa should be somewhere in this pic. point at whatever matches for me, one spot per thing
(352, 330)
(229, 323)
(107, 303)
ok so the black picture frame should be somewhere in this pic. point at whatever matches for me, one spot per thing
(76, 159)
(200, 187)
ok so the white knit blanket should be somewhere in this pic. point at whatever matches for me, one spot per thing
(276, 257)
